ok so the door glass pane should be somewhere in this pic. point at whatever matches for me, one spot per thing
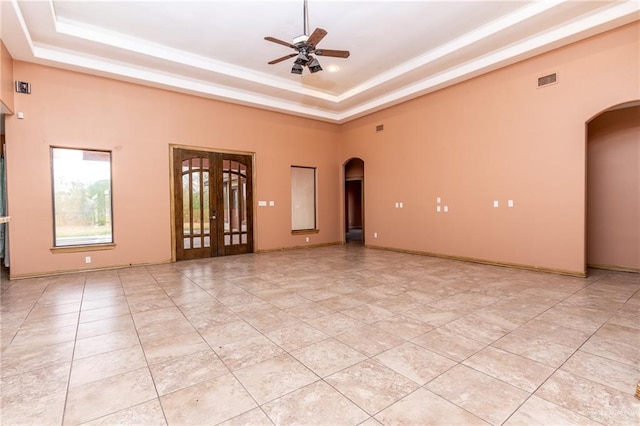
(226, 182)
(205, 205)
(195, 201)
(235, 202)
(243, 204)
(186, 218)
(235, 198)
(235, 225)
(206, 213)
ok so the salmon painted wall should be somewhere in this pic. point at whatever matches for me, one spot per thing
(138, 124)
(496, 137)
(613, 189)
(6, 79)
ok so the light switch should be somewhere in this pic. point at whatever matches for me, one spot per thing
(495, 203)
(446, 209)
(401, 205)
(438, 200)
(438, 209)
(272, 203)
(397, 205)
(510, 203)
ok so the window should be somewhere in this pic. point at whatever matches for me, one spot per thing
(303, 198)
(81, 197)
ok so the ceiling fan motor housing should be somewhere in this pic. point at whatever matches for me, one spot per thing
(300, 40)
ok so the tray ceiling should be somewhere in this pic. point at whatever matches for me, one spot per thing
(216, 49)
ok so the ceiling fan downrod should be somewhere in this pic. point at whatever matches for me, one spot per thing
(305, 19)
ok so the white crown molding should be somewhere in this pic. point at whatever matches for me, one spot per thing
(157, 51)
(594, 24)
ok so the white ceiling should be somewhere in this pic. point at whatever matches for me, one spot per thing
(216, 49)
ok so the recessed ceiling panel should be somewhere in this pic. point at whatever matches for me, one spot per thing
(216, 49)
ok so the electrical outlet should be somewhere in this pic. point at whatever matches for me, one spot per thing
(375, 235)
(87, 259)
(510, 203)
(495, 203)
(307, 239)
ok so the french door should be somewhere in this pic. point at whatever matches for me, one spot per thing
(213, 204)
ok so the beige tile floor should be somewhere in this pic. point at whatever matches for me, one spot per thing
(327, 336)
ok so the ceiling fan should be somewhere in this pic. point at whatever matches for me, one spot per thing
(305, 46)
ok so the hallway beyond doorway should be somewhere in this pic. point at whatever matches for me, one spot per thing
(354, 236)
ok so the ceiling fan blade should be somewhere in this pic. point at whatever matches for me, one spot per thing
(284, 58)
(284, 43)
(334, 53)
(317, 35)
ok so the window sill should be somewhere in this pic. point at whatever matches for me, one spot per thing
(88, 247)
(305, 231)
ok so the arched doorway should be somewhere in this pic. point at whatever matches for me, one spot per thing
(613, 189)
(354, 201)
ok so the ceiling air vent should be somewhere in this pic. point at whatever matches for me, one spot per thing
(548, 79)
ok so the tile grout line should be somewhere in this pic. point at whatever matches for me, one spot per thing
(336, 281)
(73, 353)
(212, 349)
(563, 363)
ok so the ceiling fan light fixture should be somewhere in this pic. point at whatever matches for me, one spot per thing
(302, 59)
(314, 65)
(297, 69)
(305, 46)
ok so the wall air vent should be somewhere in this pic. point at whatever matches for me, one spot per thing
(548, 79)
(379, 127)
